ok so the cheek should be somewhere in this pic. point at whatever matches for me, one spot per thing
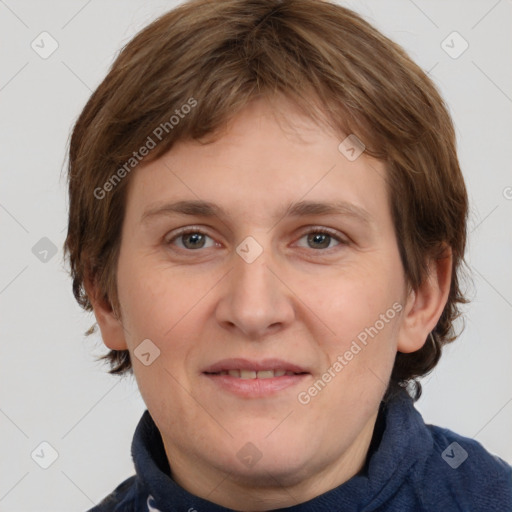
(144, 301)
(164, 305)
(363, 313)
(357, 300)
(366, 337)
(149, 305)
(160, 309)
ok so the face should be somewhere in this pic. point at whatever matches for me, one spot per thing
(273, 311)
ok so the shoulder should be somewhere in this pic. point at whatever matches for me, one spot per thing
(460, 470)
(121, 498)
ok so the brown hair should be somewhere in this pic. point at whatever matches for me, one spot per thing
(218, 56)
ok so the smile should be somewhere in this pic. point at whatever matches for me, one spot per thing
(252, 374)
(255, 378)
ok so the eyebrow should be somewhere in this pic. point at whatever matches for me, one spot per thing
(200, 208)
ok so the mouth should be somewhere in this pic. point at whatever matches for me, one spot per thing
(252, 374)
(254, 379)
(254, 369)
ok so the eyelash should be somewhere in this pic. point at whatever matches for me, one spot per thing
(312, 230)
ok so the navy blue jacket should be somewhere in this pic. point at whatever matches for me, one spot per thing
(411, 467)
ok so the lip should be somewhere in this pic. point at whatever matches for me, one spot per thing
(254, 388)
(247, 364)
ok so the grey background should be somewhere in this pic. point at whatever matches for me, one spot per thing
(50, 387)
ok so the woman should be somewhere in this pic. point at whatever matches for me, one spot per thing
(268, 218)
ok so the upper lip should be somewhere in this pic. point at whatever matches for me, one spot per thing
(247, 364)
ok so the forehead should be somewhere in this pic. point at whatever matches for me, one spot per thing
(263, 163)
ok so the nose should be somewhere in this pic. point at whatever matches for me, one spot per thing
(255, 299)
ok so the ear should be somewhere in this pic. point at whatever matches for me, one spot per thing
(110, 325)
(425, 305)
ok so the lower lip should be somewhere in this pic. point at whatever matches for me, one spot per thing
(255, 388)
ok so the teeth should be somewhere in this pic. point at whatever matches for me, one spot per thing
(265, 374)
(251, 374)
(247, 374)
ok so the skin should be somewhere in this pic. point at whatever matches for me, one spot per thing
(303, 300)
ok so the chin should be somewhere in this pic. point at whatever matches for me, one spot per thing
(282, 471)
(266, 461)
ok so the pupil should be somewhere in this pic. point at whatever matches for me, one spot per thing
(194, 238)
(319, 237)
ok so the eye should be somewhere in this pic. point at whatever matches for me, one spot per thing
(191, 239)
(316, 238)
(321, 238)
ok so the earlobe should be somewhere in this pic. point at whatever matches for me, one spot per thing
(108, 321)
(425, 305)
